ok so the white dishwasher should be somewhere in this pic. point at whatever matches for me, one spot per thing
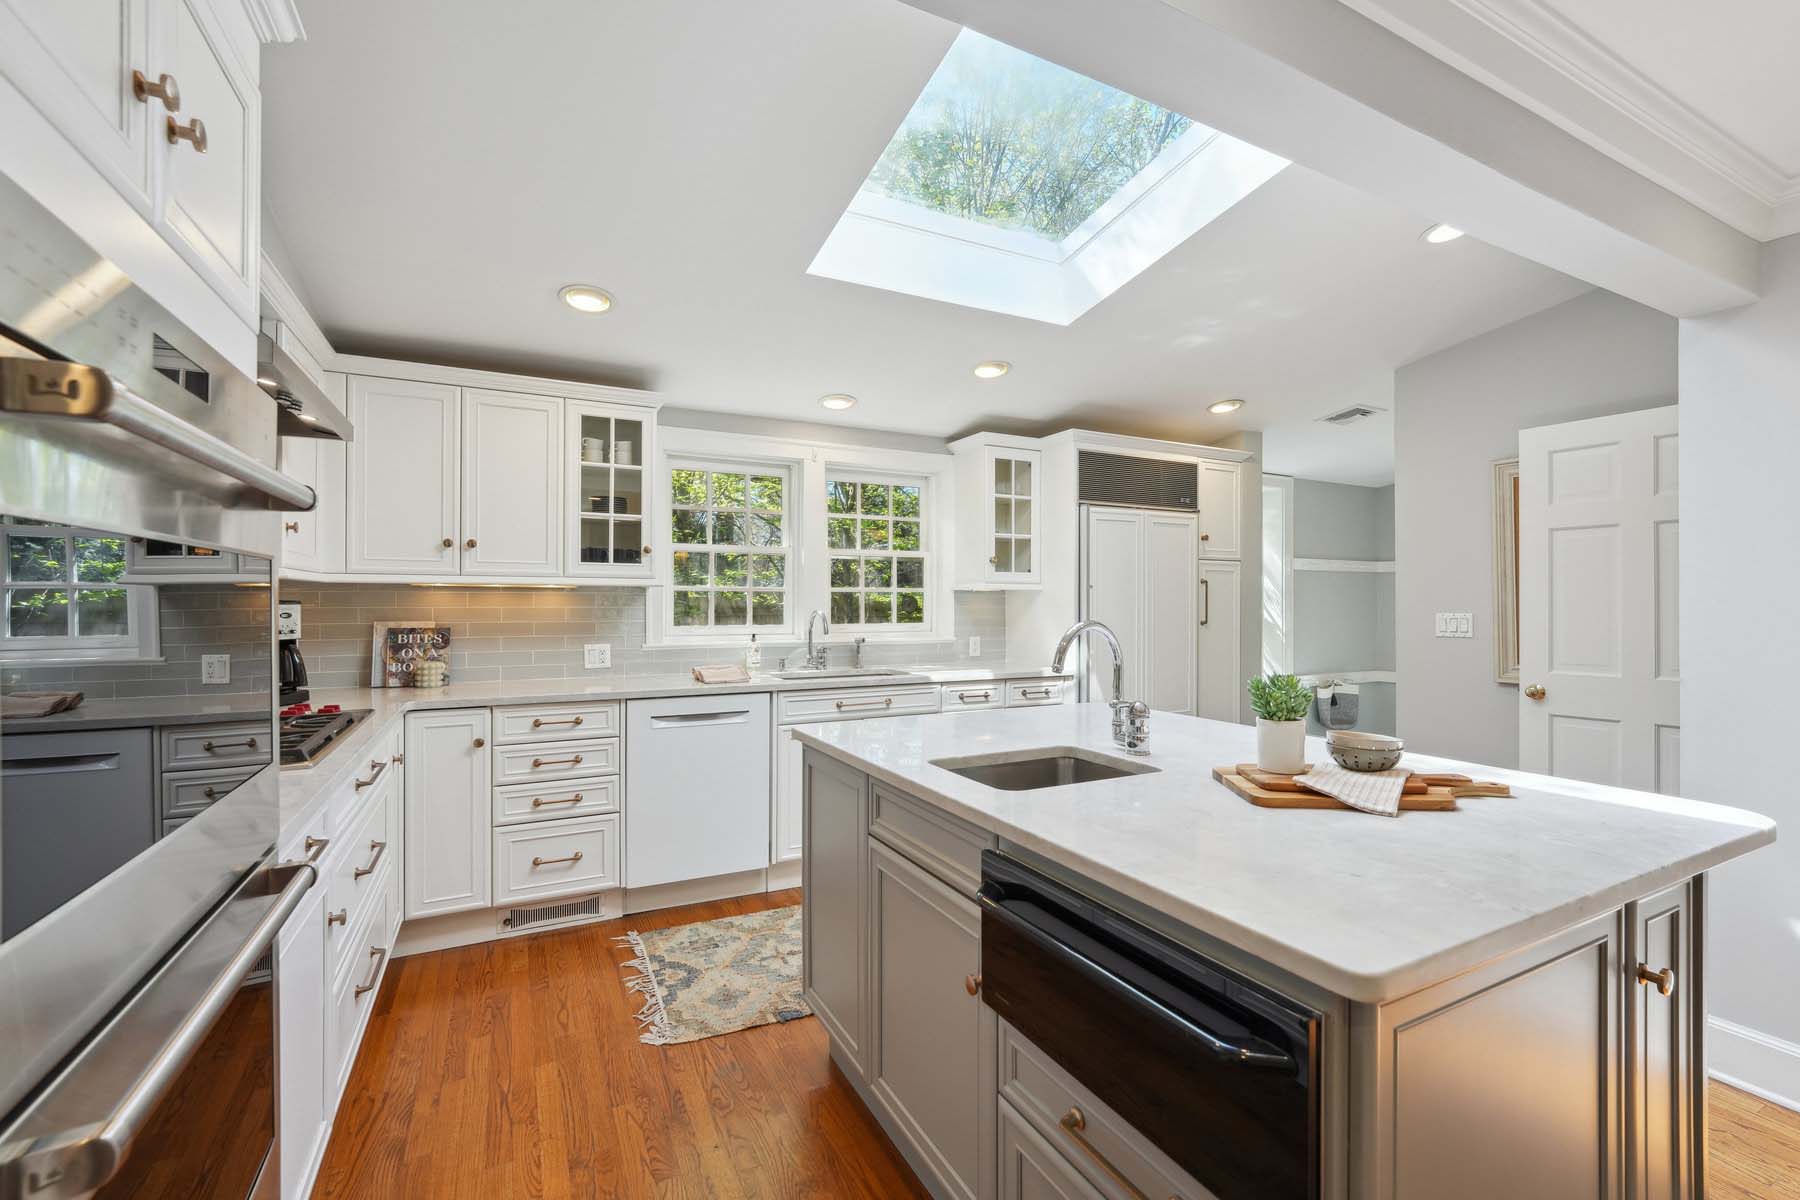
(696, 787)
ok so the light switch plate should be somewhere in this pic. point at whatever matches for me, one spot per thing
(596, 656)
(974, 647)
(1455, 625)
(215, 668)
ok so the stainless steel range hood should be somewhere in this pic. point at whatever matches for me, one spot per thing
(301, 406)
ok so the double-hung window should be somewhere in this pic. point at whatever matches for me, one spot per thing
(730, 533)
(880, 560)
(63, 598)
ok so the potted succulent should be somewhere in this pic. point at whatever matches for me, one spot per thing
(1280, 703)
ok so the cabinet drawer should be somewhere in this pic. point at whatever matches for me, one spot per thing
(555, 722)
(958, 696)
(854, 704)
(1022, 693)
(948, 848)
(1031, 1168)
(520, 802)
(357, 862)
(353, 994)
(189, 747)
(555, 858)
(560, 760)
(191, 792)
(1049, 1099)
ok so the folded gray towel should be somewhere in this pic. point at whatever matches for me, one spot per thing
(1338, 711)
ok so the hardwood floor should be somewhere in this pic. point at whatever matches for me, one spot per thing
(513, 1069)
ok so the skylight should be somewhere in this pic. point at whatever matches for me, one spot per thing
(1019, 186)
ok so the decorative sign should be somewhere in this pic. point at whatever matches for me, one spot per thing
(410, 654)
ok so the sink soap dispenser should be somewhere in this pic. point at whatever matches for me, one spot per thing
(753, 656)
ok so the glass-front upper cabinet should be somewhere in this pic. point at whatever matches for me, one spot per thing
(997, 511)
(612, 455)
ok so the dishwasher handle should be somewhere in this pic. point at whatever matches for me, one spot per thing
(689, 720)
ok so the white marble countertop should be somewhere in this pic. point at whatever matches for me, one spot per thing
(1370, 907)
(304, 786)
(154, 711)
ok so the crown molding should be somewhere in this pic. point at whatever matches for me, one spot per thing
(276, 21)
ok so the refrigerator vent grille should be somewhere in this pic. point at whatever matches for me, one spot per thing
(1134, 482)
(574, 910)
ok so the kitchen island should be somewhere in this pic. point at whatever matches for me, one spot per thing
(1506, 998)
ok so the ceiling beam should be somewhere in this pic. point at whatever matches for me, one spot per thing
(1317, 83)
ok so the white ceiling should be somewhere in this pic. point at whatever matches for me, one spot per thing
(437, 174)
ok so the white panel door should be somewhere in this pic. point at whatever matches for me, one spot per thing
(449, 812)
(511, 484)
(1221, 686)
(1221, 513)
(403, 487)
(1113, 570)
(788, 821)
(1599, 566)
(1170, 622)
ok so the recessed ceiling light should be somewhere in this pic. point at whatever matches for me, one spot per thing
(1438, 234)
(583, 298)
(992, 369)
(837, 400)
(1225, 406)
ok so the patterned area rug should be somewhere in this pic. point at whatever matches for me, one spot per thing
(714, 977)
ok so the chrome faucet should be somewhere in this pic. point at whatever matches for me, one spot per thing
(816, 659)
(1130, 718)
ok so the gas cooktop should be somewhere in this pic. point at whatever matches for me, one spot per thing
(306, 737)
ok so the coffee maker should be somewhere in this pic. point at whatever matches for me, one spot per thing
(293, 667)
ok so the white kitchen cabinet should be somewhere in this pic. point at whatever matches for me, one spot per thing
(300, 1013)
(548, 859)
(1143, 580)
(1170, 602)
(511, 484)
(788, 839)
(834, 906)
(403, 492)
(314, 541)
(449, 812)
(610, 452)
(1221, 511)
(1113, 566)
(999, 504)
(1221, 679)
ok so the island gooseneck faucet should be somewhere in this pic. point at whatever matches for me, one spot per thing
(1130, 718)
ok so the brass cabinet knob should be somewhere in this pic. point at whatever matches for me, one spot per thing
(1206, 537)
(480, 742)
(449, 542)
(972, 984)
(1663, 979)
(194, 133)
(1535, 692)
(163, 89)
(646, 549)
(291, 526)
(469, 545)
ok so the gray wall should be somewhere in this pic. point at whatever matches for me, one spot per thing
(538, 633)
(1740, 425)
(1455, 412)
(1343, 620)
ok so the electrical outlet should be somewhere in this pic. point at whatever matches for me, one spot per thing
(974, 647)
(596, 656)
(215, 668)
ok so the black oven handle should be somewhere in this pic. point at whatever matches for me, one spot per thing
(1251, 1052)
(81, 1160)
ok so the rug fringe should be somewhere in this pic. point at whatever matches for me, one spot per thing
(653, 1017)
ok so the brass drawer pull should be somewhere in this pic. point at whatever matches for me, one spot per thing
(375, 770)
(380, 957)
(545, 862)
(211, 793)
(539, 722)
(291, 526)
(340, 917)
(212, 747)
(972, 984)
(1040, 692)
(966, 697)
(852, 705)
(379, 848)
(1205, 601)
(193, 132)
(1663, 979)
(1075, 1125)
(540, 802)
(574, 761)
(315, 846)
(164, 89)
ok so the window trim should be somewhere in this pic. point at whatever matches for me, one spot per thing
(141, 644)
(664, 605)
(927, 551)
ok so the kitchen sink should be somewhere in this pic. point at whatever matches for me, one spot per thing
(1035, 769)
(849, 673)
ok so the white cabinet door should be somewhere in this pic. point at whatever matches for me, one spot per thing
(511, 484)
(403, 486)
(1114, 572)
(610, 490)
(1661, 1141)
(212, 183)
(789, 839)
(1221, 684)
(1220, 510)
(834, 898)
(1169, 605)
(300, 986)
(1011, 515)
(314, 541)
(73, 59)
(449, 812)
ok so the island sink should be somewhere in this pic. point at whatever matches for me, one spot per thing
(1034, 769)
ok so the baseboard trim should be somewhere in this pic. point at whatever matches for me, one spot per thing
(783, 876)
(915, 1162)
(696, 891)
(1753, 1061)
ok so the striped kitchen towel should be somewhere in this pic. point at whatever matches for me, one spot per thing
(1375, 792)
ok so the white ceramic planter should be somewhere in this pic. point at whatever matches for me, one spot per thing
(1281, 746)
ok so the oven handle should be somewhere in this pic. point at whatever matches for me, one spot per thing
(1253, 1052)
(82, 1160)
(64, 389)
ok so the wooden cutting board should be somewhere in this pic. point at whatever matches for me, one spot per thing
(1431, 799)
(1416, 784)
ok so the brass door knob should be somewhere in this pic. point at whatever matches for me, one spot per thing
(972, 984)
(449, 542)
(194, 133)
(163, 89)
(1535, 692)
(1663, 979)
(469, 545)
(291, 526)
